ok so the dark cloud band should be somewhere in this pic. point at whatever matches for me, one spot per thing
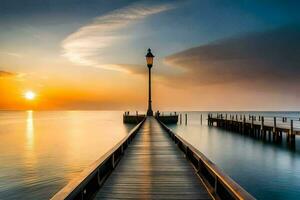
(267, 59)
(6, 74)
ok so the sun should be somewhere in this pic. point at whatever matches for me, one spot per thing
(30, 95)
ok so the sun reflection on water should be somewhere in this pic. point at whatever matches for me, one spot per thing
(29, 131)
(30, 154)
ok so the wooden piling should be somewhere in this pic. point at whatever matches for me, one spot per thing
(275, 131)
(262, 130)
(180, 118)
(185, 118)
(244, 123)
(201, 119)
(274, 127)
(292, 134)
(259, 130)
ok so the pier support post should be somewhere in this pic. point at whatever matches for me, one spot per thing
(262, 130)
(252, 126)
(275, 134)
(201, 119)
(244, 122)
(291, 137)
(292, 134)
(180, 118)
(185, 118)
(274, 127)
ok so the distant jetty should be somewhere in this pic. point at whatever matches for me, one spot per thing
(265, 128)
(132, 119)
(171, 118)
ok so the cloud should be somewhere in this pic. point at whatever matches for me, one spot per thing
(267, 59)
(16, 55)
(6, 74)
(131, 68)
(87, 45)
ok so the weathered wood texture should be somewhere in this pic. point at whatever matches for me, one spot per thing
(88, 182)
(220, 185)
(153, 168)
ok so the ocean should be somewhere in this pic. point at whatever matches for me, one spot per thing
(40, 151)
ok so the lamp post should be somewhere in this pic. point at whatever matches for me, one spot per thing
(149, 59)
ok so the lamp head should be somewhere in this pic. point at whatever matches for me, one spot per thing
(149, 58)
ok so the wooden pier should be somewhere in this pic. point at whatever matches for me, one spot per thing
(152, 162)
(153, 168)
(271, 128)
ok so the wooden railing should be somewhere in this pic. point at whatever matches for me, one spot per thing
(92, 178)
(220, 185)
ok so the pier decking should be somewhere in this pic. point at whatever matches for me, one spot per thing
(153, 168)
(152, 162)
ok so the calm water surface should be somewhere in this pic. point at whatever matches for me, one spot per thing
(41, 151)
(266, 170)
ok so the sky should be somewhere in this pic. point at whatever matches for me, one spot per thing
(209, 54)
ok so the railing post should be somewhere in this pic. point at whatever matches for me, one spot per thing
(216, 185)
(199, 166)
(98, 176)
(113, 160)
(122, 149)
(82, 194)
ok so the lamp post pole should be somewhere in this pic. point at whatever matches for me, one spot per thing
(149, 112)
(149, 58)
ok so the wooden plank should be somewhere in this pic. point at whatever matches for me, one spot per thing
(153, 168)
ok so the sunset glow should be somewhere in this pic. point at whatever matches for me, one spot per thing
(95, 59)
